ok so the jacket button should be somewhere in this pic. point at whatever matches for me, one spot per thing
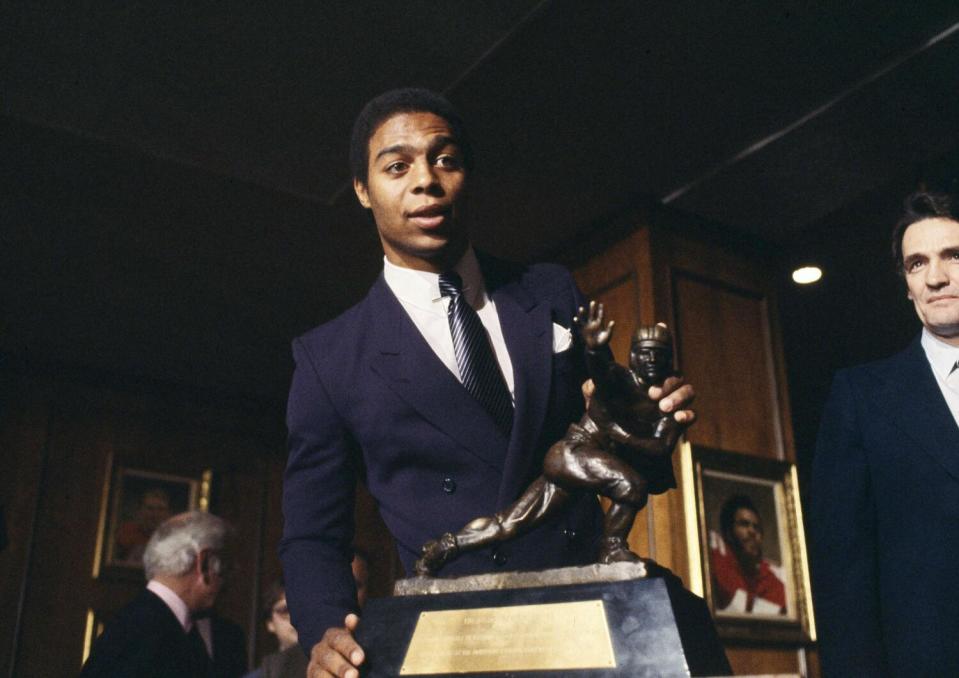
(449, 485)
(499, 557)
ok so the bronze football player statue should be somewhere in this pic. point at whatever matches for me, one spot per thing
(620, 449)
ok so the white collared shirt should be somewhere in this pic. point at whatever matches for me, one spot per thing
(182, 612)
(419, 294)
(942, 357)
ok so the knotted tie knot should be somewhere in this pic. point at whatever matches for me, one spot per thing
(451, 284)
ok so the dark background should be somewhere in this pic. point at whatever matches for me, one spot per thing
(175, 203)
(175, 199)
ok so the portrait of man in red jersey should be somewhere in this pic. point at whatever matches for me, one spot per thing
(743, 579)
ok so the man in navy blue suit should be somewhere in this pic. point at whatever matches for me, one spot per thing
(378, 395)
(885, 493)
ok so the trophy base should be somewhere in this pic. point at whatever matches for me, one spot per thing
(599, 620)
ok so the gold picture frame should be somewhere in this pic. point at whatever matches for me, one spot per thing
(91, 631)
(747, 546)
(133, 503)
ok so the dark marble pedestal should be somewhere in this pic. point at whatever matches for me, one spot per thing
(656, 627)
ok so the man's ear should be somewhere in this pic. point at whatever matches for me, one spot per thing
(361, 193)
(203, 565)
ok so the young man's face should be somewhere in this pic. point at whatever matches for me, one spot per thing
(154, 509)
(415, 187)
(930, 261)
(748, 533)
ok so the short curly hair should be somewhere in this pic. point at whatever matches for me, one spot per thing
(918, 206)
(727, 515)
(388, 104)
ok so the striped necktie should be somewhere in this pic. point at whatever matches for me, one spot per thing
(479, 371)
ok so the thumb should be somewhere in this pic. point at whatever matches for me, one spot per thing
(351, 622)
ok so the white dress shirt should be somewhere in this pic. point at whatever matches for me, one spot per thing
(182, 613)
(419, 294)
(942, 357)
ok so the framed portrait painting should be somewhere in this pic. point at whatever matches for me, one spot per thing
(134, 503)
(747, 545)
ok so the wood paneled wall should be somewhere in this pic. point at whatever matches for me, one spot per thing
(724, 311)
(24, 423)
(59, 436)
(720, 304)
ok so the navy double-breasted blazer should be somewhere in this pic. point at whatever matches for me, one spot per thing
(885, 523)
(370, 400)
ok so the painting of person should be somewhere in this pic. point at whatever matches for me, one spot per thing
(743, 580)
(133, 535)
(140, 501)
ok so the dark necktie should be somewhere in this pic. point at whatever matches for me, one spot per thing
(200, 658)
(477, 364)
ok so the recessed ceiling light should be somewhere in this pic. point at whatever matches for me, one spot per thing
(807, 275)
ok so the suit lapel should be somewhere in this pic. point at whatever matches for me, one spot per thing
(414, 372)
(178, 657)
(911, 398)
(527, 330)
(162, 612)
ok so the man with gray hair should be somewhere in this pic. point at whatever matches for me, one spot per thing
(167, 630)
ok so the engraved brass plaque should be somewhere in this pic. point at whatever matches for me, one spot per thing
(515, 638)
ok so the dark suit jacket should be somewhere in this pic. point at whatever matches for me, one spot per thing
(145, 639)
(370, 400)
(885, 523)
(229, 648)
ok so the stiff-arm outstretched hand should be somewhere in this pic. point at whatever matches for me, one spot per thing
(595, 334)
